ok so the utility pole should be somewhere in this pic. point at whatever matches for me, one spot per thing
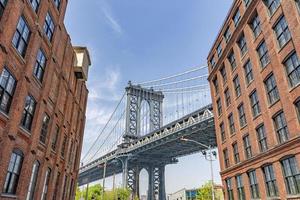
(87, 192)
(103, 183)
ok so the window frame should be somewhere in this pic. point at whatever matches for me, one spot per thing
(231, 124)
(281, 127)
(35, 4)
(237, 86)
(12, 175)
(248, 70)
(242, 115)
(227, 97)
(255, 25)
(236, 153)
(19, 38)
(240, 187)
(236, 17)
(49, 26)
(262, 138)
(232, 60)
(255, 106)
(294, 61)
(291, 175)
(44, 128)
(247, 146)
(3, 4)
(272, 92)
(7, 89)
(284, 36)
(242, 44)
(270, 180)
(271, 6)
(254, 188)
(33, 180)
(229, 188)
(263, 54)
(28, 112)
(222, 131)
(226, 158)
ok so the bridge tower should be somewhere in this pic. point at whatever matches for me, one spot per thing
(135, 96)
(131, 170)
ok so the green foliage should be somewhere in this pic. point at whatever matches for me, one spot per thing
(205, 192)
(95, 193)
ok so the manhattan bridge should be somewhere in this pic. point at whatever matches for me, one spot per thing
(146, 131)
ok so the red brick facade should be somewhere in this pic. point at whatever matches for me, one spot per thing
(60, 95)
(282, 140)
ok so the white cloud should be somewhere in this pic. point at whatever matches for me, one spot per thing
(109, 16)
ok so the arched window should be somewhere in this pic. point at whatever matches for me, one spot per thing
(33, 179)
(13, 172)
(46, 184)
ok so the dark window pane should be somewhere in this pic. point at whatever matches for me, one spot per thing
(292, 66)
(282, 32)
(21, 36)
(281, 127)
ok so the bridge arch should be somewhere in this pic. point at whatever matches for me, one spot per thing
(145, 117)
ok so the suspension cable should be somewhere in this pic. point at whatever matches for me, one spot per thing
(173, 76)
(102, 131)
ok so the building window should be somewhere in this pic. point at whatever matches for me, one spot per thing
(248, 72)
(242, 44)
(46, 184)
(227, 34)
(49, 27)
(240, 187)
(219, 49)
(242, 115)
(272, 5)
(236, 153)
(263, 54)
(222, 130)
(2, 6)
(223, 73)
(253, 185)
(226, 158)
(21, 36)
(55, 138)
(298, 4)
(44, 129)
(33, 180)
(212, 62)
(227, 97)
(13, 172)
(219, 106)
(281, 127)
(292, 66)
(237, 86)
(247, 147)
(282, 32)
(247, 2)
(7, 89)
(262, 138)
(236, 17)
(63, 147)
(35, 4)
(40, 64)
(254, 103)
(229, 188)
(271, 88)
(271, 185)
(231, 59)
(216, 85)
(57, 3)
(56, 189)
(28, 112)
(291, 175)
(255, 25)
(231, 124)
(297, 105)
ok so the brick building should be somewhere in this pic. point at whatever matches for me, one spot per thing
(43, 98)
(254, 77)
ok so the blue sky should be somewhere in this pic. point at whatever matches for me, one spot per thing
(143, 40)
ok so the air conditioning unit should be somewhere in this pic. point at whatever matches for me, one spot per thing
(82, 63)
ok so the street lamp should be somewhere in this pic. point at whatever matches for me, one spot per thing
(208, 158)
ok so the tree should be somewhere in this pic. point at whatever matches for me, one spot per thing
(205, 193)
